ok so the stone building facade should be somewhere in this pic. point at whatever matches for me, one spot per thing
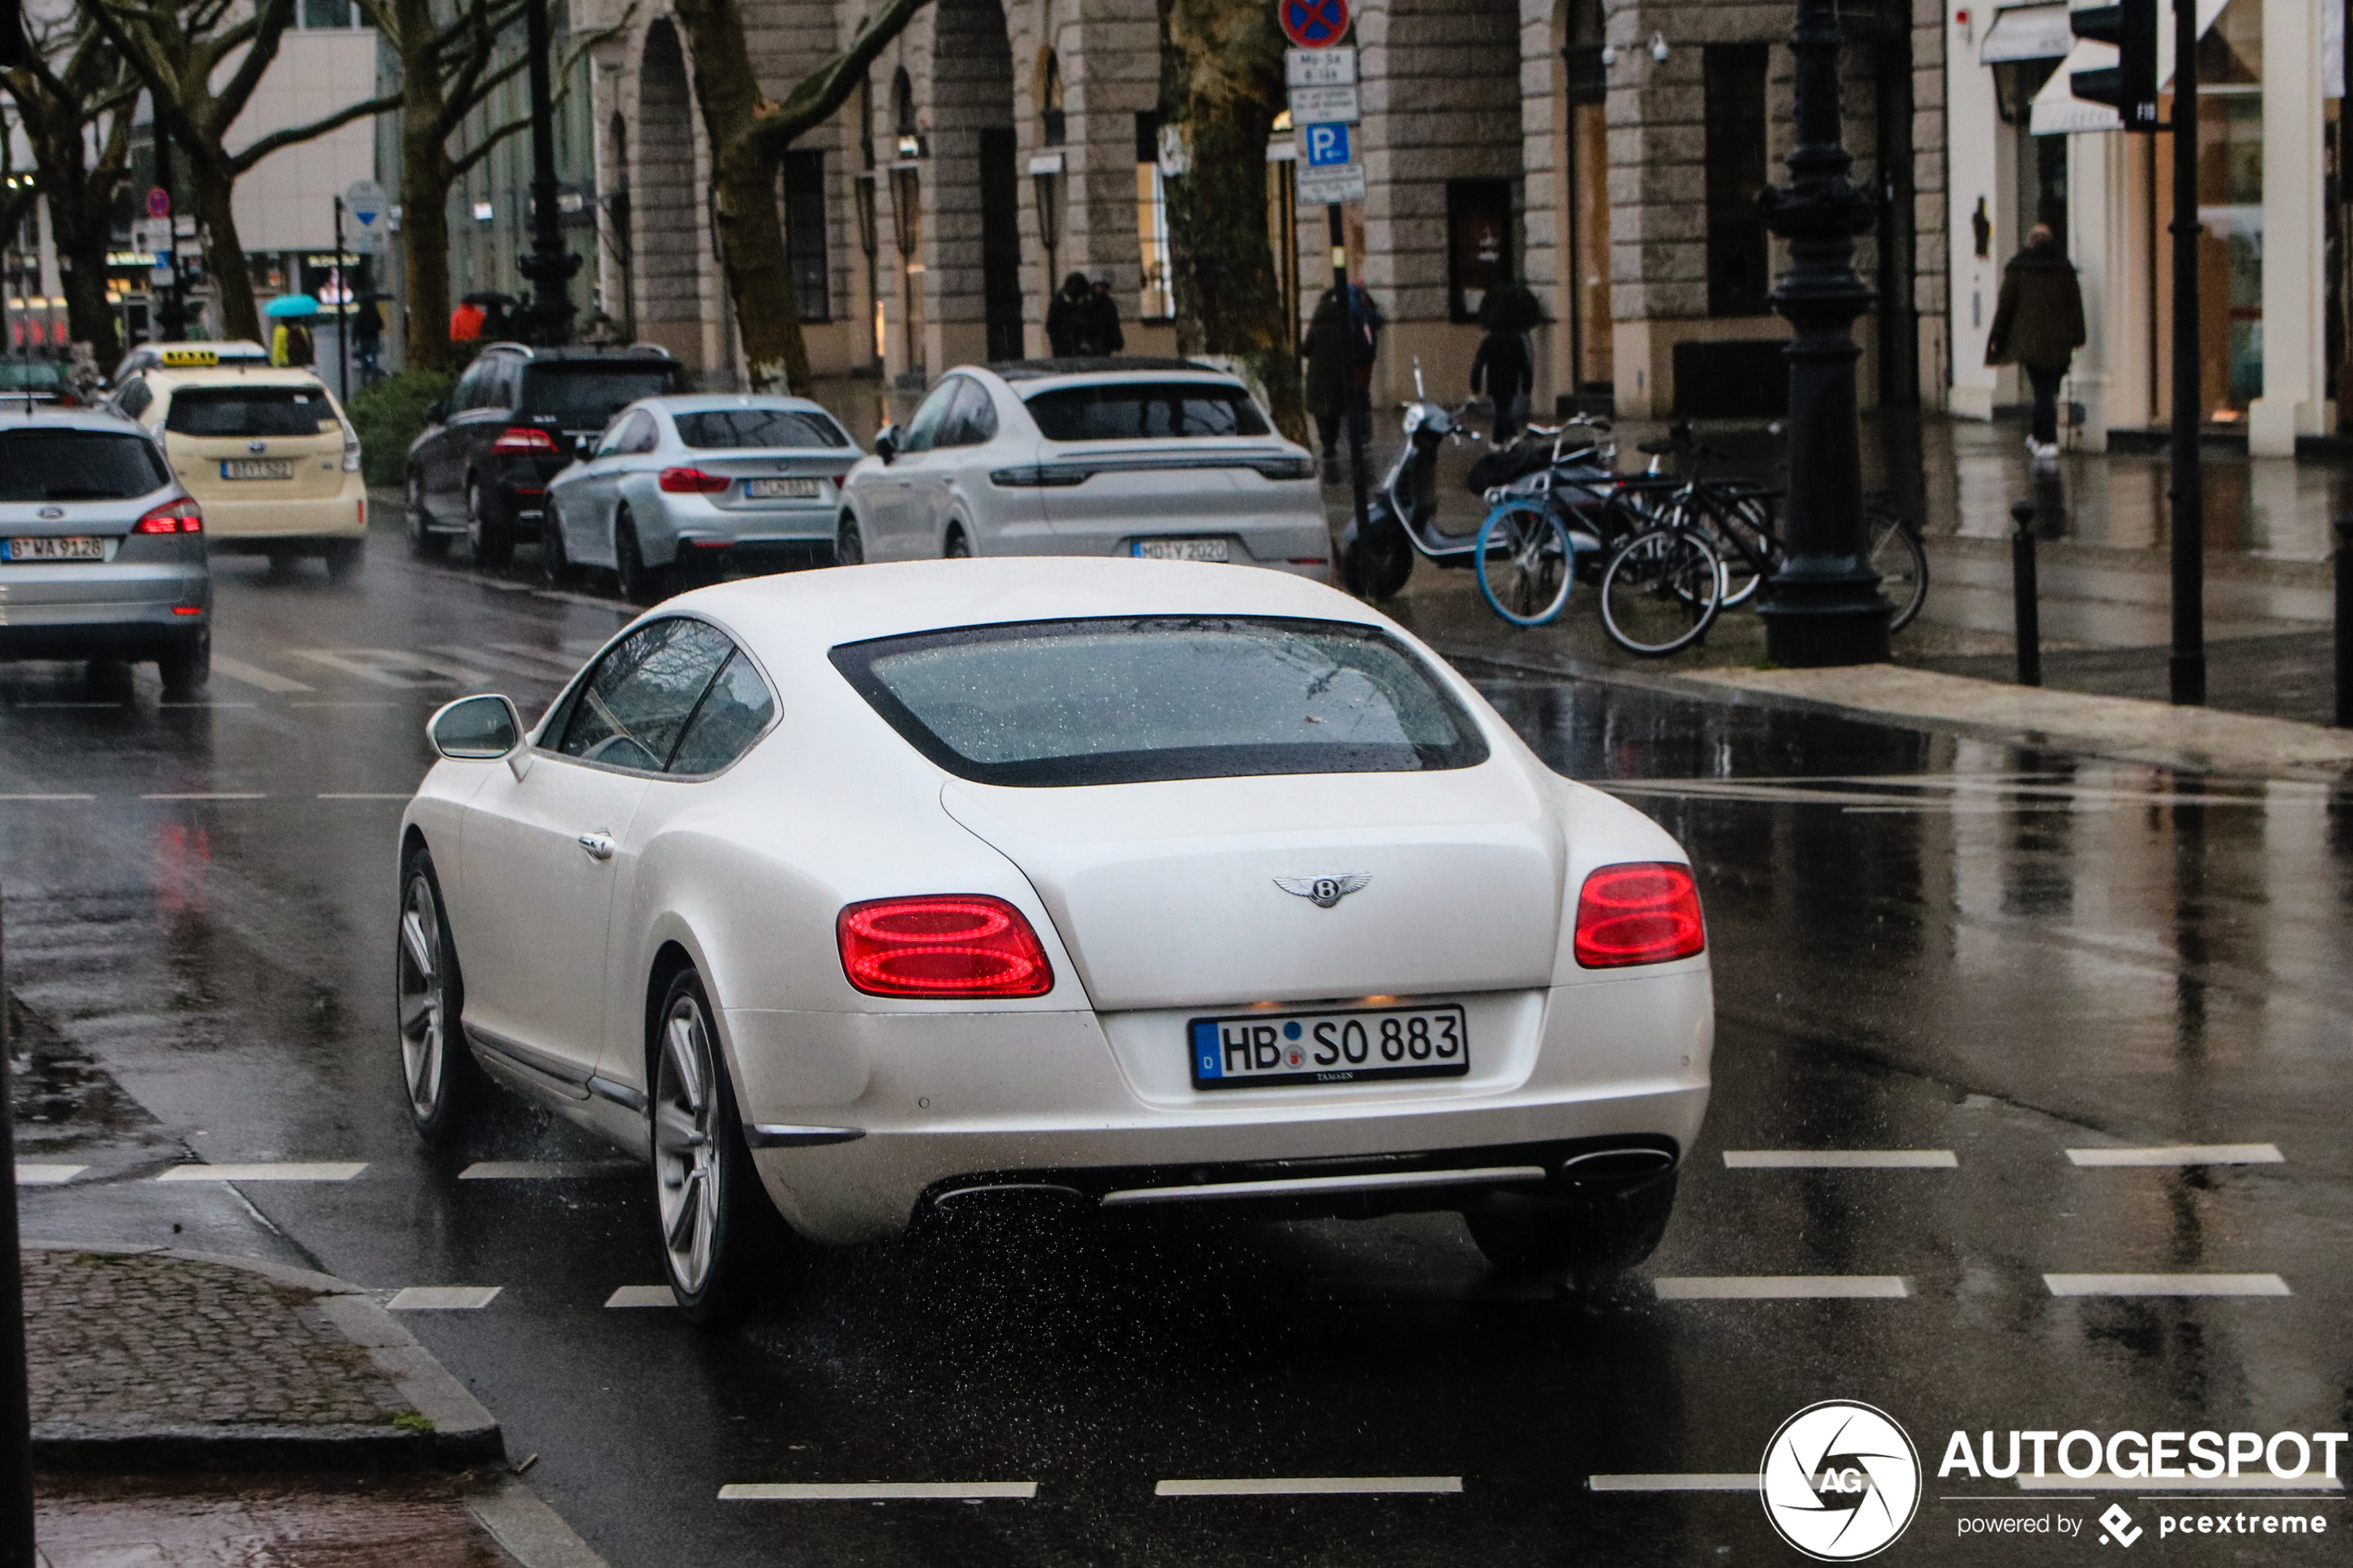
(1605, 152)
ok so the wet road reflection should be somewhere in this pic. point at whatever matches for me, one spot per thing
(1922, 942)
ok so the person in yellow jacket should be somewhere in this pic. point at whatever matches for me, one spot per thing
(290, 345)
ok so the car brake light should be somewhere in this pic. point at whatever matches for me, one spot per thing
(524, 438)
(948, 945)
(693, 482)
(183, 515)
(1644, 913)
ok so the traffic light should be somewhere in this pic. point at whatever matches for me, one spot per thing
(2129, 85)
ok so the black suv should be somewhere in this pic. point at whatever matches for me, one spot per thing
(488, 450)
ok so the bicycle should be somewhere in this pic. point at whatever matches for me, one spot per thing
(1548, 519)
(1662, 589)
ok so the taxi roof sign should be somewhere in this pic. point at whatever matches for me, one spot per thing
(185, 358)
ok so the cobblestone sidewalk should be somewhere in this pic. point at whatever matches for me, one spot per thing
(124, 1342)
(145, 1361)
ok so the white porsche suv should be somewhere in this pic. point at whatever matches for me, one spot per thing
(1160, 459)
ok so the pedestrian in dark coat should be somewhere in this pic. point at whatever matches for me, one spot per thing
(1065, 318)
(1503, 362)
(1103, 321)
(1341, 344)
(2038, 325)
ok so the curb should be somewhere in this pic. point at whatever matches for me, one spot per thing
(460, 1432)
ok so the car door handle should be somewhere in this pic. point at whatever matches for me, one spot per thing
(598, 845)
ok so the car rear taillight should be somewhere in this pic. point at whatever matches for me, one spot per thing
(524, 439)
(948, 945)
(693, 482)
(1644, 913)
(183, 515)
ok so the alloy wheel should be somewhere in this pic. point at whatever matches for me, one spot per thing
(686, 1146)
(423, 997)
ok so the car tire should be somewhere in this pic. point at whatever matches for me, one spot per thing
(187, 668)
(423, 542)
(1591, 1237)
(555, 561)
(718, 1231)
(343, 557)
(493, 537)
(959, 548)
(850, 546)
(639, 583)
(443, 1084)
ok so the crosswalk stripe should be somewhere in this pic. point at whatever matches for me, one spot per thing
(544, 1170)
(1840, 1159)
(444, 1298)
(1780, 1287)
(642, 1296)
(265, 1171)
(2167, 1285)
(1722, 1481)
(31, 1174)
(2183, 1154)
(245, 674)
(875, 1491)
(1307, 1486)
(403, 668)
(568, 663)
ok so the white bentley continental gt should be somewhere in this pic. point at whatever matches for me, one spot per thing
(1142, 888)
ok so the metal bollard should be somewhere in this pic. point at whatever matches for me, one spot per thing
(2344, 526)
(2030, 617)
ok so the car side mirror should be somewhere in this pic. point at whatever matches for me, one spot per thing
(476, 729)
(584, 448)
(886, 443)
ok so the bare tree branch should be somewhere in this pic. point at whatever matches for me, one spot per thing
(242, 162)
(814, 102)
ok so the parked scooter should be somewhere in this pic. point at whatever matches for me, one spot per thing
(1375, 564)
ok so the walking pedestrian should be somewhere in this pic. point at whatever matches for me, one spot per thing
(367, 338)
(1342, 341)
(2038, 325)
(1103, 321)
(290, 343)
(1503, 363)
(1065, 318)
(465, 322)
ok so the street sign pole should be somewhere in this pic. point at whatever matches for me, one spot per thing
(2187, 667)
(1360, 406)
(1320, 76)
(342, 308)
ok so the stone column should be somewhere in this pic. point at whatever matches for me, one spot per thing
(2293, 389)
(1974, 134)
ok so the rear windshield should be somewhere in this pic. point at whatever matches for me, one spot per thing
(250, 410)
(587, 396)
(77, 465)
(35, 375)
(721, 428)
(1145, 409)
(1134, 701)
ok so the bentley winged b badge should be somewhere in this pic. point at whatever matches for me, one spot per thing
(1323, 891)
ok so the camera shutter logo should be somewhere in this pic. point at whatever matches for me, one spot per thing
(1841, 1480)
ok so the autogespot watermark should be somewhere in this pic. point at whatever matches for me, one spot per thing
(2158, 1456)
(1841, 1480)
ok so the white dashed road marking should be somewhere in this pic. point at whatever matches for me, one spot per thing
(444, 1298)
(1780, 1287)
(875, 1491)
(206, 794)
(275, 1170)
(245, 674)
(33, 796)
(642, 1296)
(32, 1175)
(2183, 1154)
(353, 794)
(1718, 1482)
(2167, 1285)
(1839, 1159)
(1307, 1486)
(544, 1170)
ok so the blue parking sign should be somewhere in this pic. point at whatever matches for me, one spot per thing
(1328, 144)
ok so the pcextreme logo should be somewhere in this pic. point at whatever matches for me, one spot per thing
(1841, 1480)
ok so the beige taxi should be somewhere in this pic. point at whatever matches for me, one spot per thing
(268, 453)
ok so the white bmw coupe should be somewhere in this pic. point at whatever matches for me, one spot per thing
(856, 896)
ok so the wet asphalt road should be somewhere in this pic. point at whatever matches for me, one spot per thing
(1920, 943)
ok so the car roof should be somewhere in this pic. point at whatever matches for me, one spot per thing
(49, 417)
(1093, 365)
(641, 352)
(709, 402)
(792, 618)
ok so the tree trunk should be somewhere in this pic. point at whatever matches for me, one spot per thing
(424, 191)
(81, 197)
(1222, 85)
(751, 228)
(224, 256)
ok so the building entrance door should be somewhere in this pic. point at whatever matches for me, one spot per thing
(1001, 242)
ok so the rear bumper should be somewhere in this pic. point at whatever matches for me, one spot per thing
(147, 632)
(340, 516)
(928, 1106)
(693, 528)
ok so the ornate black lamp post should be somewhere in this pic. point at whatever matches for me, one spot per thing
(549, 265)
(1823, 606)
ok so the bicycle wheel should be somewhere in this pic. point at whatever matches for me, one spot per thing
(1661, 591)
(1744, 535)
(1523, 563)
(1901, 564)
